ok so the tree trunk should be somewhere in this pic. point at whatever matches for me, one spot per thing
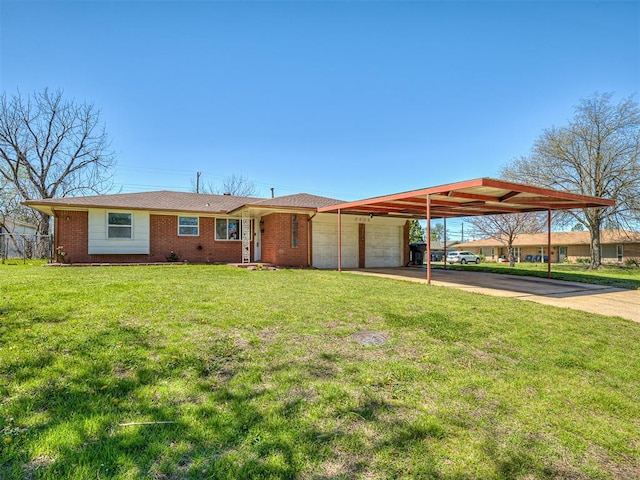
(512, 257)
(43, 224)
(594, 245)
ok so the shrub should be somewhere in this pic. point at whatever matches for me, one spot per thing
(172, 257)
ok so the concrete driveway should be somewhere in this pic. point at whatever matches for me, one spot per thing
(578, 296)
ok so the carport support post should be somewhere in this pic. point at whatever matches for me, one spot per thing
(548, 243)
(339, 240)
(444, 242)
(428, 240)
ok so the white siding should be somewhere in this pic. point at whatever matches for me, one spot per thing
(100, 244)
(20, 228)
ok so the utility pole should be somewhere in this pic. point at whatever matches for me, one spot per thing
(198, 181)
(462, 238)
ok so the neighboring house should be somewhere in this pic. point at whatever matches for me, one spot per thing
(202, 228)
(618, 246)
(16, 238)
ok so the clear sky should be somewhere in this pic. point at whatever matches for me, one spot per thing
(346, 99)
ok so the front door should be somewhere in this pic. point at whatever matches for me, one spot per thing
(257, 241)
(562, 254)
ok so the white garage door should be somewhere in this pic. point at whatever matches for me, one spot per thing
(325, 245)
(383, 246)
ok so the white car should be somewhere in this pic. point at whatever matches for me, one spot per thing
(462, 257)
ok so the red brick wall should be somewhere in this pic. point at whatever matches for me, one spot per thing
(201, 249)
(72, 236)
(277, 240)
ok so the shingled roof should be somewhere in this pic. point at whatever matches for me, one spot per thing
(558, 238)
(298, 200)
(165, 200)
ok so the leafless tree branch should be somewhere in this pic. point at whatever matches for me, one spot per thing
(598, 154)
(50, 147)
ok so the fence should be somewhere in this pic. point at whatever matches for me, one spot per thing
(25, 246)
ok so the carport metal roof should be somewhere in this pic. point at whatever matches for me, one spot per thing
(482, 196)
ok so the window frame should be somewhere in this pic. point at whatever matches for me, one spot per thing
(196, 226)
(227, 239)
(517, 253)
(294, 230)
(620, 252)
(115, 225)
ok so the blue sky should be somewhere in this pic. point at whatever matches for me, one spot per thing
(346, 99)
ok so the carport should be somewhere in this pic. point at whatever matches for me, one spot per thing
(482, 196)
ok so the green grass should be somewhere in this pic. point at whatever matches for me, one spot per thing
(258, 377)
(610, 275)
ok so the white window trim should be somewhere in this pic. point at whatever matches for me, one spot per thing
(197, 227)
(215, 227)
(118, 239)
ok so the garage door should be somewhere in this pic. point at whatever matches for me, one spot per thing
(325, 245)
(383, 246)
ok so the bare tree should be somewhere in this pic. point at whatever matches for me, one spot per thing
(506, 228)
(10, 207)
(50, 147)
(237, 185)
(596, 154)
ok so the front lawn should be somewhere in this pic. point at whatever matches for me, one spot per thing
(172, 372)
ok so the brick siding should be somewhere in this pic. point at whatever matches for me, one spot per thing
(277, 240)
(72, 236)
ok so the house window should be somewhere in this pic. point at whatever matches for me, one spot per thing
(188, 226)
(516, 253)
(294, 230)
(619, 252)
(119, 225)
(228, 229)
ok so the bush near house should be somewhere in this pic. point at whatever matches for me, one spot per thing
(186, 371)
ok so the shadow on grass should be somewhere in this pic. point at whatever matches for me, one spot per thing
(226, 422)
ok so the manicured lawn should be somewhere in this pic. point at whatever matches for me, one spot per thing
(614, 276)
(257, 376)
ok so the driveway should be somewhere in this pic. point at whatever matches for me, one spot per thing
(578, 296)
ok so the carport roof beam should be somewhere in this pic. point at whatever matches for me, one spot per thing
(482, 196)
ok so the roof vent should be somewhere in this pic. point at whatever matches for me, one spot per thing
(227, 193)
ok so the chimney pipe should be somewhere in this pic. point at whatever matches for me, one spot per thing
(271, 192)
